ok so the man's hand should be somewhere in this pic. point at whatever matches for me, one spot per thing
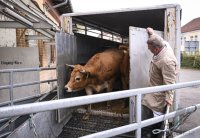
(169, 102)
(150, 31)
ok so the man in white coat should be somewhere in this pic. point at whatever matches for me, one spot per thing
(163, 71)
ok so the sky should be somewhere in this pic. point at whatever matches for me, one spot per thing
(190, 8)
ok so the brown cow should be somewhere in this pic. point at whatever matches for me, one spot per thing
(98, 73)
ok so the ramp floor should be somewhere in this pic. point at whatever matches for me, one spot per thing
(100, 119)
(78, 127)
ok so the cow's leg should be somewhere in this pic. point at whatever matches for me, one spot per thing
(125, 86)
(109, 89)
(89, 108)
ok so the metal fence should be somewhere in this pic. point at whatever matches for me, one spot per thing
(11, 85)
(83, 100)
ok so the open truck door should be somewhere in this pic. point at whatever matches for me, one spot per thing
(140, 58)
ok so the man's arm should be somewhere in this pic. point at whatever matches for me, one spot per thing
(169, 72)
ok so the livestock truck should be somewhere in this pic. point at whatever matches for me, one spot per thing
(81, 36)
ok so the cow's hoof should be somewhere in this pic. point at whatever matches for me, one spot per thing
(86, 116)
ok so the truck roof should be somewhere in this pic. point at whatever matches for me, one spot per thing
(119, 20)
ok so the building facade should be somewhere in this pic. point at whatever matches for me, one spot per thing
(190, 37)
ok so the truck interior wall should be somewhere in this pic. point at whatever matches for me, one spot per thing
(87, 46)
(66, 54)
(77, 49)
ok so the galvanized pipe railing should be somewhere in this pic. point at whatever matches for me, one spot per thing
(135, 126)
(18, 100)
(11, 86)
(83, 100)
(26, 84)
(26, 69)
(27, 98)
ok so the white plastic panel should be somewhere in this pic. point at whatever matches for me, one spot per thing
(140, 57)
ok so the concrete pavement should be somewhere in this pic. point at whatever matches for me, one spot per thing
(188, 97)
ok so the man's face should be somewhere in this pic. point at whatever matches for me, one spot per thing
(154, 50)
(151, 48)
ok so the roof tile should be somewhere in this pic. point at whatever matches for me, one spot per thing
(191, 26)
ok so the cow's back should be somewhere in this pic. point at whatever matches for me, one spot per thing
(106, 64)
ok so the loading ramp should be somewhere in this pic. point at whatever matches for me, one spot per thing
(101, 118)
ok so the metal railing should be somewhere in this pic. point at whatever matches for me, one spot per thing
(83, 100)
(11, 85)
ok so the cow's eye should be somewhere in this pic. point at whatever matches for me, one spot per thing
(77, 78)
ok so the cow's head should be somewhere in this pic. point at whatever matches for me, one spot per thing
(78, 79)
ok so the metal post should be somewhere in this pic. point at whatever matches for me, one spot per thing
(132, 109)
(138, 115)
(101, 33)
(11, 88)
(86, 30)
(177, 53)
(11, 96)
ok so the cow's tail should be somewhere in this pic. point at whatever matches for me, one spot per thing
(125, 66)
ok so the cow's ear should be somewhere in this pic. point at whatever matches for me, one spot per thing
(71, 66)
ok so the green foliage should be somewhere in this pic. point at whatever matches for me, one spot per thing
(190, 61)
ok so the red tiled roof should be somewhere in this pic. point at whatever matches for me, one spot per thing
(191, 26)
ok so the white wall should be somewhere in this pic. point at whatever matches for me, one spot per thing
(7, 36)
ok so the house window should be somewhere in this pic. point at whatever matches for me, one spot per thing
(196, 37)
(191, 38)
(191, 46)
